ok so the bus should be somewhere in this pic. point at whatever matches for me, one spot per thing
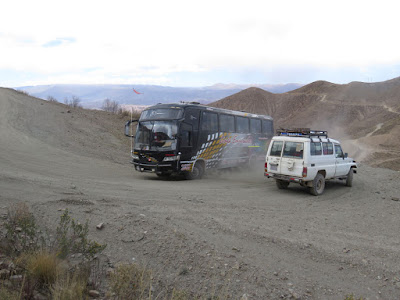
(190, 138)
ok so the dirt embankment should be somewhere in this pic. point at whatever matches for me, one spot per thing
(231, 233)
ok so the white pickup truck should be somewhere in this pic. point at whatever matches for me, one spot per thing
(307, 157)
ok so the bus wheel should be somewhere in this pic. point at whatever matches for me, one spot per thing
(163, 174)
(252, 162)
(196, 173)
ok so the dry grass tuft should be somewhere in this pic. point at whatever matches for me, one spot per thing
(8, 294)
(69, 287)
(42, 267)
(131, 282)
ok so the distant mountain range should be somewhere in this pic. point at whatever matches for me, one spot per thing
(92, 96)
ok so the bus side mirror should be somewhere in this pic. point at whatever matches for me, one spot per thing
(128, 127)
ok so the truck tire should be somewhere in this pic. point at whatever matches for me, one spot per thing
(318, 185)
(282, 184)
(196, 173)
(349, 178)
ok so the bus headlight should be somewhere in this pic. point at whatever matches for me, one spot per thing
(171, 158)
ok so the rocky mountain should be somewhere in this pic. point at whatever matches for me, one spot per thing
(366, 115)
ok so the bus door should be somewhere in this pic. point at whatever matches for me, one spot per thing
(208, 139)
(186, 141)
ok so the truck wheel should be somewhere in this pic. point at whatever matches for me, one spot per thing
(318, 185)
(196, 173)
(349, 179)
(282, 184)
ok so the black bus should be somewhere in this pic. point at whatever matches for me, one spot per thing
(189, 138)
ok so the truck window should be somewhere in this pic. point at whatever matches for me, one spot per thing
(293, 150)
(338, 151)
(327, 148)
(276, 148)
(315, 148)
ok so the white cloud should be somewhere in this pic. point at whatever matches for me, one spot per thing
(150, 39)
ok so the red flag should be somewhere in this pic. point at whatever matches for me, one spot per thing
(136, 92)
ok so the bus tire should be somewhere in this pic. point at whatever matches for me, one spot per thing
(252, 164)
(196, 173)
(163, 174)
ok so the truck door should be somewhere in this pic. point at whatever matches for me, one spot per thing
(274, 157)
(341, 164)
(292, 159)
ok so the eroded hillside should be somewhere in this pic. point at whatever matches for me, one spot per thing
(365, 115)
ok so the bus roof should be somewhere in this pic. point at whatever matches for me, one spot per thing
(209, 108)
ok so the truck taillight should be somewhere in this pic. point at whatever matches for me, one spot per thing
(304, 172)
(266, 167)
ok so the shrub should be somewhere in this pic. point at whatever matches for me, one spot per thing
(51, 99)
(73, 102)
(72, 237)
(110, 106)
(22, 92)
(22, 234)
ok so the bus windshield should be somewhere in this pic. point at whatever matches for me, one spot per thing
(156, 135)
(161, 113)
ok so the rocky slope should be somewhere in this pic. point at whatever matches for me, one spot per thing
(366, 115)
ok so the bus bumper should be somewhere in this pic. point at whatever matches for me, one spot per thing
(155, 168)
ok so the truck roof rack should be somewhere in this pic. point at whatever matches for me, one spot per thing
(302, 132)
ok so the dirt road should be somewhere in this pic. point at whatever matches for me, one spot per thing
(233, 233)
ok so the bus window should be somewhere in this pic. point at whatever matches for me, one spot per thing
(209, 121)
(242, 125)
(267, 127)
(192, 117)
(226, 123)
(255, 126)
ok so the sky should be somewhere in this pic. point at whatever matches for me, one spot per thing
(198, 43)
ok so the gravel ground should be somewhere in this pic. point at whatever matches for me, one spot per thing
(232, 233)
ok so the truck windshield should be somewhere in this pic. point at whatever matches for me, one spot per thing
(156, 135)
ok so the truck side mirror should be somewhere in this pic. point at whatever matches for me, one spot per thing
(345, 155)
(128, 127)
